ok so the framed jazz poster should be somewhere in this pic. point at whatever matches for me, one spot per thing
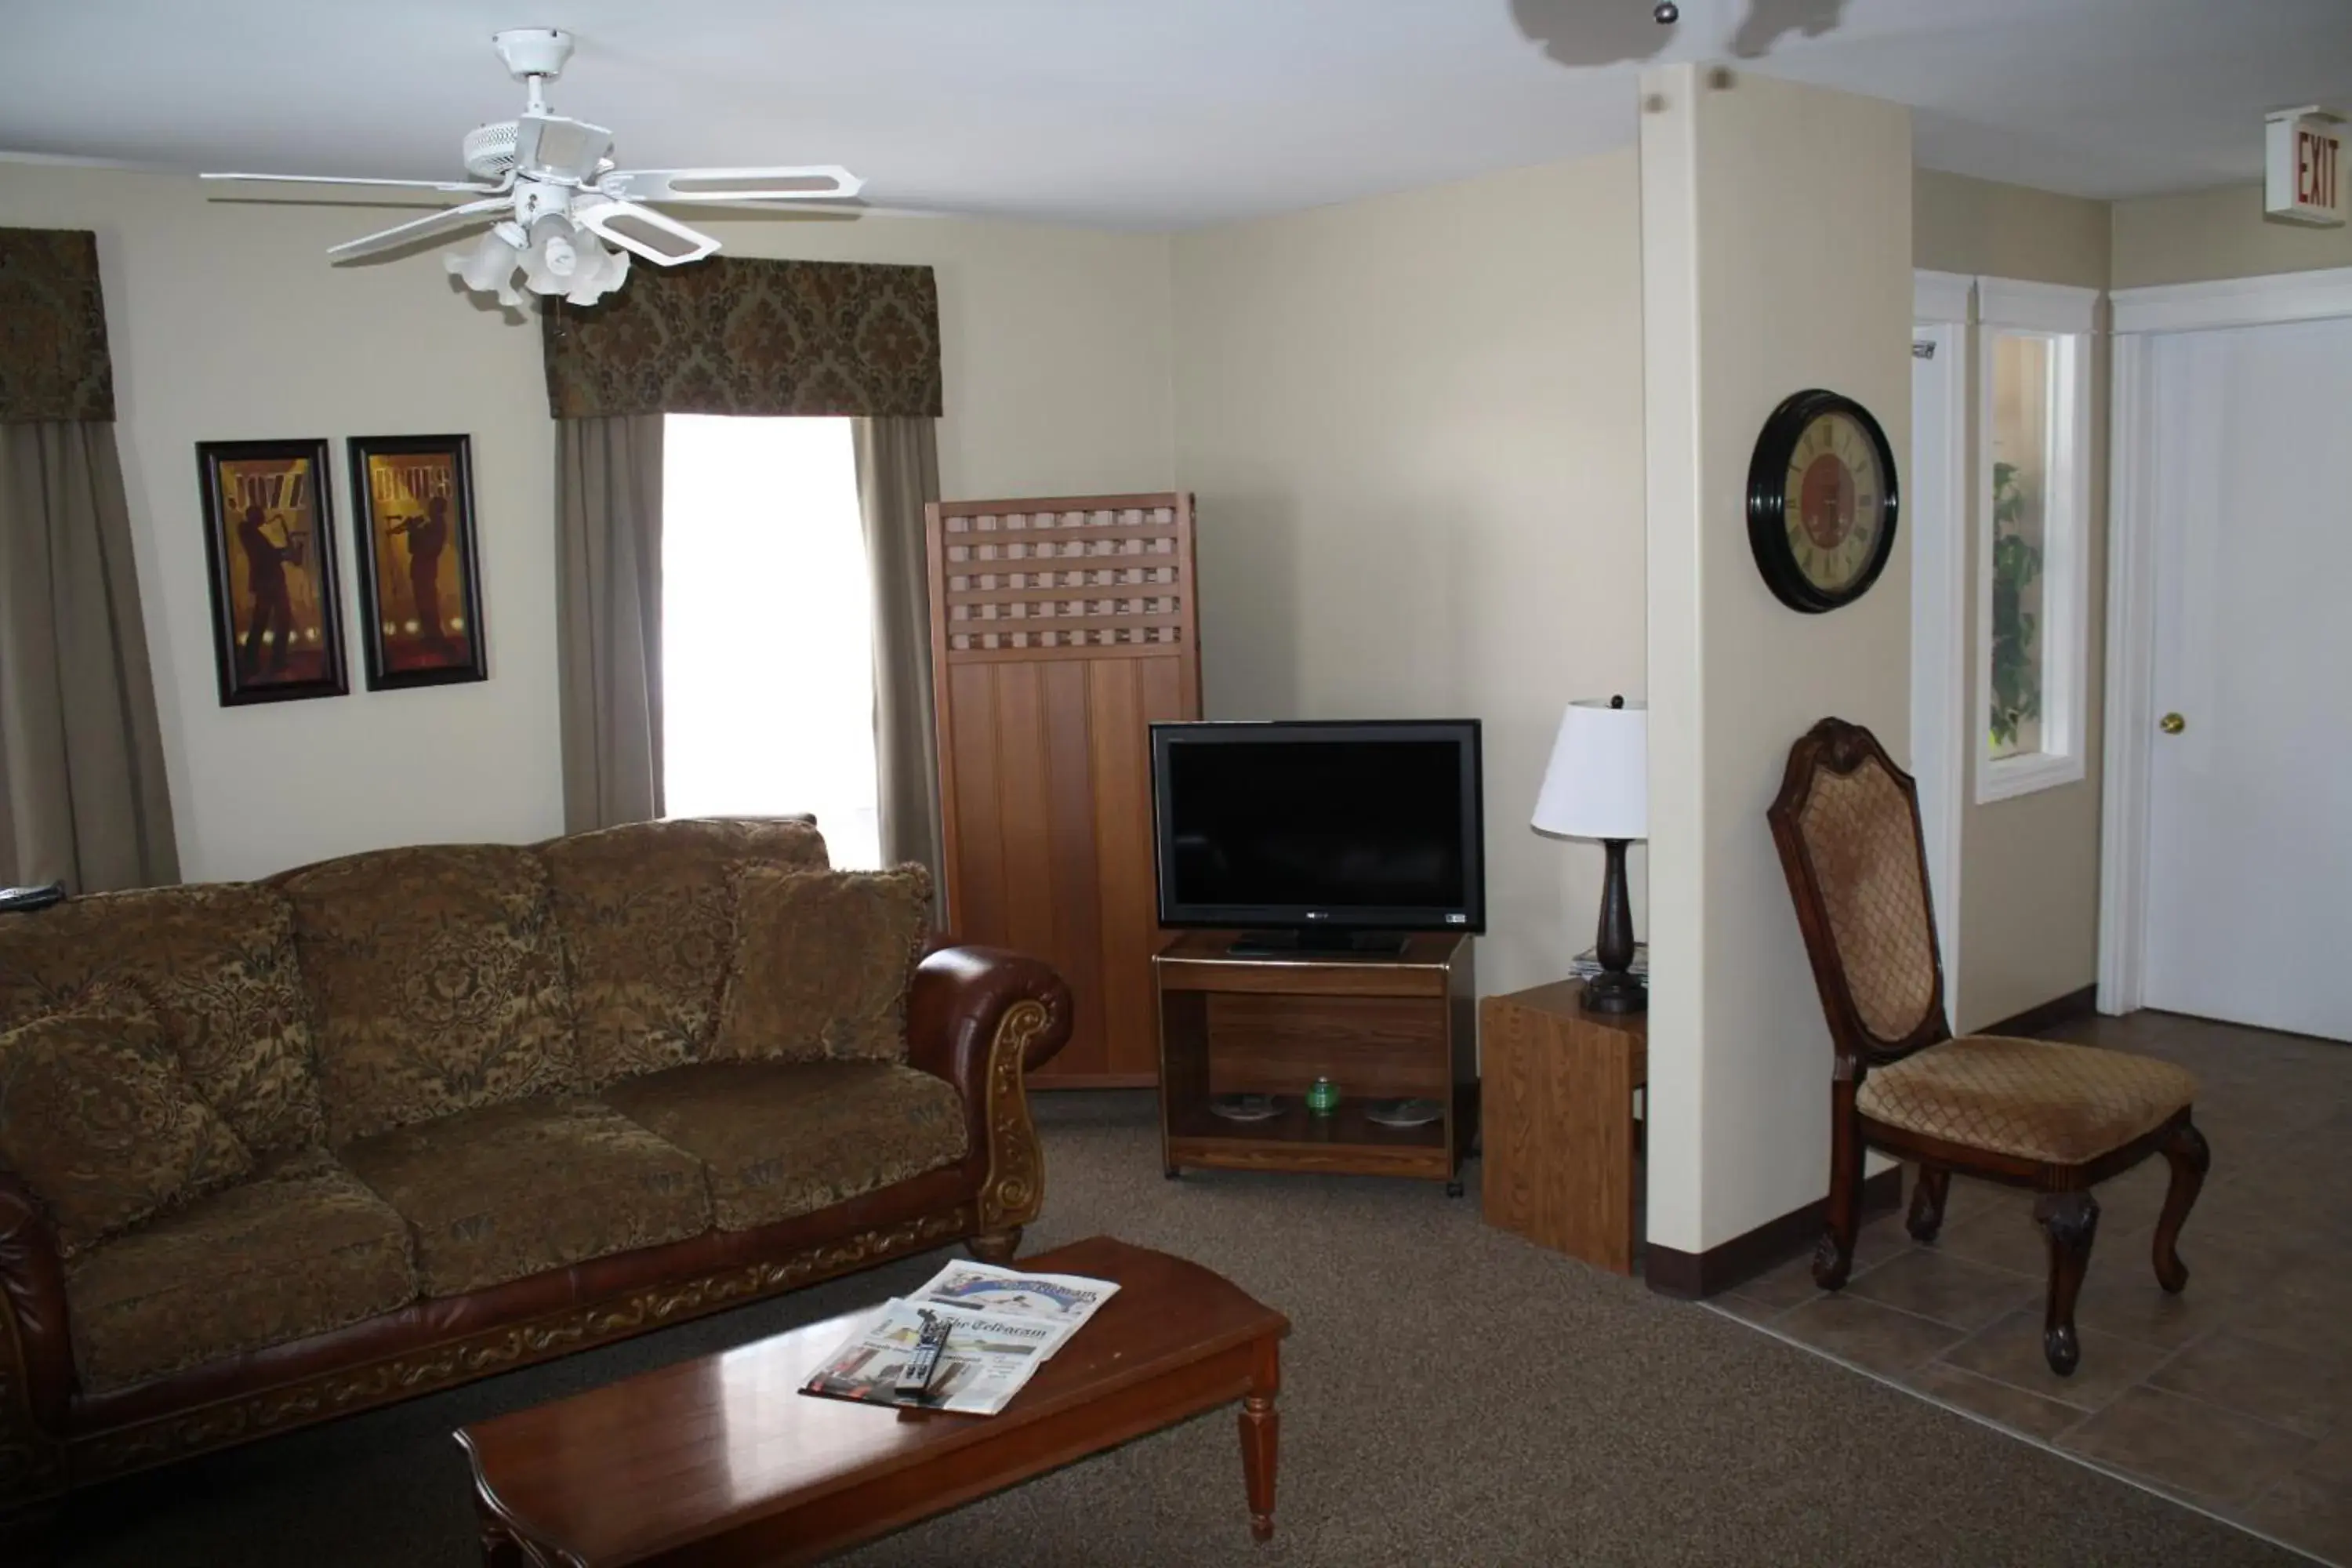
(269, 546)
(420, 575)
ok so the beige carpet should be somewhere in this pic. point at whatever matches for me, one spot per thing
(1452, 1395)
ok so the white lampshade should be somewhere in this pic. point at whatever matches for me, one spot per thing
(1598, 784)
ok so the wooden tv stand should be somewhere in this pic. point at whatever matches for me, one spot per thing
(1379, 1028)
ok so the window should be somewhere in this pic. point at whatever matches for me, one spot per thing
(2033, 512)
(767, 627)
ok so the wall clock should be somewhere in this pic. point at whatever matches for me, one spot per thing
(1821, 501)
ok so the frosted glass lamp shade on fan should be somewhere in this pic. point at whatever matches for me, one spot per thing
(1598, 787)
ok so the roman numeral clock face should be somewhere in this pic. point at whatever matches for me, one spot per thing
(1820, 502)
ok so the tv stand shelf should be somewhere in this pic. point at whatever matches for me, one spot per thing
(1380, 1027)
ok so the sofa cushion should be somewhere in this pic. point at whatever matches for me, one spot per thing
(822, 963)
(646, 915)
(493, 1194)
(299, 1250)
(781, 1139)
(436, 982)
(216, 962)
(97, 1119)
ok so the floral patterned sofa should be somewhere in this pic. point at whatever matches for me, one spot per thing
(274, 1153)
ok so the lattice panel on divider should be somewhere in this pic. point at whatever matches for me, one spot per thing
(1094, 577)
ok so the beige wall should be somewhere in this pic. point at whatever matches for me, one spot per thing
(1413, 424)
(1971, 227)
(2218, 233)
(226, 322)
(2029, 896)
(1776, 256)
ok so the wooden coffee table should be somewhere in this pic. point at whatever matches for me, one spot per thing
(722, 1461)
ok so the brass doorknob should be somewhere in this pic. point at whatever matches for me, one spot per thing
(2172, 724)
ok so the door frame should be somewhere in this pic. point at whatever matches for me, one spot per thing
(2127, 746)
(1939, 588)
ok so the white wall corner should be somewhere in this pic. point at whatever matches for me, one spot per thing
(1671, 384)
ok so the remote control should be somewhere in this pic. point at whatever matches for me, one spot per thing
(915, 1375)
(16, 900)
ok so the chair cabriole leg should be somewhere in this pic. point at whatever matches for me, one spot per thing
(2185, 1151)
(2071, 1221)
(1935, 1183)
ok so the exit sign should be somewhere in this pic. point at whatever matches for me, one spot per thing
(2304, 167)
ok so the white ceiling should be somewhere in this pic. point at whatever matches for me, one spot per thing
(1152, 113)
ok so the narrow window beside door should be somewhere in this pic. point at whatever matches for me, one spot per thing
(767, 632)
(2033, 538)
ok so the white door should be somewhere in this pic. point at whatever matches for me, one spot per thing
(2250, 806)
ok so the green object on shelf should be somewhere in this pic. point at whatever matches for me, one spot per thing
(1323, 1097)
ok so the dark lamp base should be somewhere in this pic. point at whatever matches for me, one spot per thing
(1615, 992)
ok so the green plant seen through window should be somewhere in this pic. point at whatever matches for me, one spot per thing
(2016, 671)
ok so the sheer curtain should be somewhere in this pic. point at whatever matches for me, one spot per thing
(82, 794)
(608, 618)
(897, 473)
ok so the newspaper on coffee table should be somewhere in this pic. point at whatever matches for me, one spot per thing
(1010, 1291)
(1003, 1324)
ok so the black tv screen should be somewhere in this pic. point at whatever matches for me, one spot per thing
(1319, 825)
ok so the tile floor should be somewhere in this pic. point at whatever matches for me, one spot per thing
(2235, 1395)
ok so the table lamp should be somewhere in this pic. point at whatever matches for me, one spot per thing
(1598, 787)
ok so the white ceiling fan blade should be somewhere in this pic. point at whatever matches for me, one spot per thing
(557, 147)
(807, 183)
(655, 235)
(341, 180)
(447, 217)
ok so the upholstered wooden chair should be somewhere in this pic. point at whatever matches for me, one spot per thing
(2030, 1113)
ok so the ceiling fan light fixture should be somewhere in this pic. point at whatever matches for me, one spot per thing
(595, 279)
(567, 219)
(490, 265)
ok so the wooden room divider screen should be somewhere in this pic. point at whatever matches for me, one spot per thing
(1060, 629)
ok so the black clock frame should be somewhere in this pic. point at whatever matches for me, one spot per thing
(1767, 500)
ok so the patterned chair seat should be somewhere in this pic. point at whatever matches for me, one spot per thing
(2037, 1099)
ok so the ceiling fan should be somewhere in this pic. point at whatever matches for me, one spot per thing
(559, 212)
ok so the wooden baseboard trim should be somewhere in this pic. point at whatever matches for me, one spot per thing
(1691, 1275)
(2048, 1015)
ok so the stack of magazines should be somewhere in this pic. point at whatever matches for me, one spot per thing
(1003, 1324)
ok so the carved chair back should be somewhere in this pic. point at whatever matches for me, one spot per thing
(1847, 825)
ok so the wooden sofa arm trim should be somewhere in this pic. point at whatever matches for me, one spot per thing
(35, 1351)
(1014, 1189)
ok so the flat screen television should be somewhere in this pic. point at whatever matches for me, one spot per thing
(1319, 835)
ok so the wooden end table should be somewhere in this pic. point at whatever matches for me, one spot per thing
(722, 1460)
(1559, 1135)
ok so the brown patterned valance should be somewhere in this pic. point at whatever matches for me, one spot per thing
(751, 336)
(53, 360)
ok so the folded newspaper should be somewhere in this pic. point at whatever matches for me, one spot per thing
(1003, 1324)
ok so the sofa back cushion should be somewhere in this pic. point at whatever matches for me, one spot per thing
(97, 1119)
(216, 962)
(436, 982)
(822, 963)
(646, 914)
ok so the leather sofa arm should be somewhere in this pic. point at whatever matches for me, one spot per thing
(981, 1017)
(957, 1005)
(37, 1376)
